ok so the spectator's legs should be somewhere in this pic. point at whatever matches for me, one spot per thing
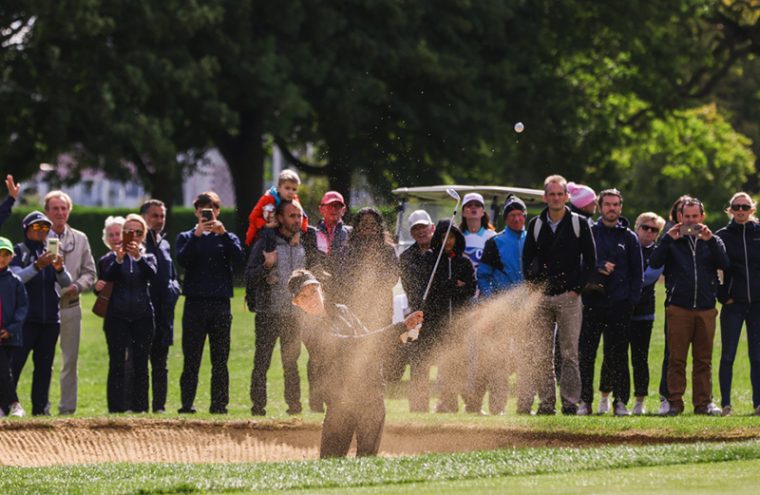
(44, 354)
(290, 349)
(732, 318)
(117, 336)
(570, 315)
(542, 354)
(704, 335)
(141, 335)
(665, 358)
(159, 354)
(266, 335)
(193, 339)
(753, 344)
(220, 322)
(71, 329)
(7, 382)
(19, 355)
(616, 340)
(591, 332)
(680, 335)
(419, 380)
(641, 333)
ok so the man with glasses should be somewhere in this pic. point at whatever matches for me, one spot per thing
(609, 297)
(208, 253)
(692, 256)
(77, 256)
(325, 245)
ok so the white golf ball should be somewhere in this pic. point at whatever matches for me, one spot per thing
(519, 127)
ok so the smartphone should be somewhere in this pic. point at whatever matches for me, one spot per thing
(207, 214)
(127, 237)
(52, 246)
(692, 230)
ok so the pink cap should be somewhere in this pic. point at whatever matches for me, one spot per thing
(580, 195)
(332, 197)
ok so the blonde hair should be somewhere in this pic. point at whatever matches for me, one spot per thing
(288, 176)
(741, 194)
(650, 216)
(134, 217)
(58, 195)
(555, 179)
(111, 220)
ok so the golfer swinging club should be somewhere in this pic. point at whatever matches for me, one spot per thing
(352, 356)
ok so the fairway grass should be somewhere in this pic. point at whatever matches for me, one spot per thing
(544, 470)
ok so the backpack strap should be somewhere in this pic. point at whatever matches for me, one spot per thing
(537, 227)
(574, 218)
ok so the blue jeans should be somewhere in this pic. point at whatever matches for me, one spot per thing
(732, 317)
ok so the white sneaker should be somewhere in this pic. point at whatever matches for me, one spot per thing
(726, 411)
(17, 410)
(621, 410)
(713, 410)
(604, 405)
(664, 407)
(639, 409)
(583, 409)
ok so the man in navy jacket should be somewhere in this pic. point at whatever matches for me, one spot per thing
(609, 300)
(692, 256)
(164, 292)
(208, 253)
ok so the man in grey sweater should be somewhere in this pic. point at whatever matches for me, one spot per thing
(267, 277)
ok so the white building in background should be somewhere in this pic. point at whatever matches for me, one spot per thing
(211, 174)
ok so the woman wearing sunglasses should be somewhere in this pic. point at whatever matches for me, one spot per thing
(129, 318)
(740, 295)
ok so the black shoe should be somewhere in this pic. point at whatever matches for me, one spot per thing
(546, 411)
(524, 412)
(186, 410)
(571, 410)
(218, 410)
(258, 411)
(674, 411)
(294, 410)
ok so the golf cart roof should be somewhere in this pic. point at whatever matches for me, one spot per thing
(490, 193)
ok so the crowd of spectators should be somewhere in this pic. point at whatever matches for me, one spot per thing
(595, 278)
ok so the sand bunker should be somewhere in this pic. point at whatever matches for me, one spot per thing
(88, 441)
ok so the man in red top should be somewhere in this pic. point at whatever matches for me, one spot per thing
(325, 245)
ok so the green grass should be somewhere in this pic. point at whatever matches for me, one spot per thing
(93, 368)
(495, 470)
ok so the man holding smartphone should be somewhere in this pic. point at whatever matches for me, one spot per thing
(208, 253)
(77, 256)
(692, 256)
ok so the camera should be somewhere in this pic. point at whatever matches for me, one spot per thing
(690, 230)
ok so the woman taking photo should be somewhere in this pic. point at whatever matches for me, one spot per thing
(129, 317)
(740, 295)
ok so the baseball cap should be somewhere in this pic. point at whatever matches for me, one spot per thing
(419, 217)
(6, 244)
(35, 217)
(299, 280)
(473, 197)
(332, 197)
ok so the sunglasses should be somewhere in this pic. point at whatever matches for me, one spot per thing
(736, 207)
(649, 228)
(135, 232)
(40, 226)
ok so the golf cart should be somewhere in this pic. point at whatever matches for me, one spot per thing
(439, 203)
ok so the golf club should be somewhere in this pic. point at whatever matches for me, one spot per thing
(415, 332)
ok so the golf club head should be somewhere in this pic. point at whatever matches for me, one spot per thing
(452, 192)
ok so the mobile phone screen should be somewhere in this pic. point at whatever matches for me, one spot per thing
(207, 214)
(52, 246)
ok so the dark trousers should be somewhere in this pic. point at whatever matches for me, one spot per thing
(612, 323)
(7, 383)
(420, 360)
(40, 340)
(664, 372)
(317, 392)
(159, 374)
(138, 335)
(641, 334)
(204, 317)
(270, 326)
(732, 317)
(490, 364)
(364, 418)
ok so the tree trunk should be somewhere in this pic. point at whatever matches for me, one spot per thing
(244, 154)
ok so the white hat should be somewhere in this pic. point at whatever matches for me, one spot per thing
(419, 217)
(473, 197)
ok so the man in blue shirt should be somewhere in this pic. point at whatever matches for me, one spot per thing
(208, 253)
